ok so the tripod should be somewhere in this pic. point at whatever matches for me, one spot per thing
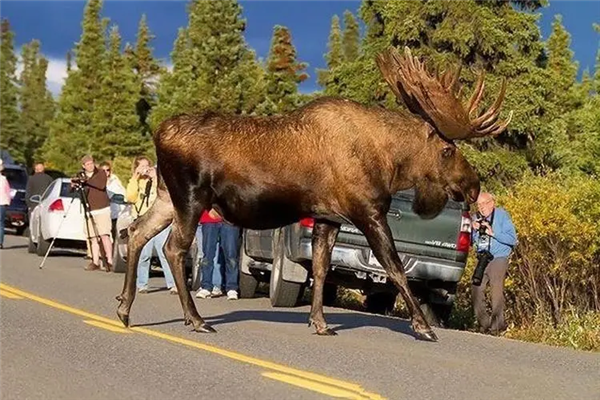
(57, 232)
(87, 215)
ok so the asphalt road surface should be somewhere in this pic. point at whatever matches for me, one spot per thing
(60, 339)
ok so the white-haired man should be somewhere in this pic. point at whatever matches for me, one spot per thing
(498, 237)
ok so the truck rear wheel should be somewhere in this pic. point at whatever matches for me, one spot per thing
(282, 293)
(436, 315)
(119, 262)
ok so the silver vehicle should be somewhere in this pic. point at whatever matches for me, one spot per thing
(434, 253)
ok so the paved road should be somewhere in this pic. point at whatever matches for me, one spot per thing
(61, 340)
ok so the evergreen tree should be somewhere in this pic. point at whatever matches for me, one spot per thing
(211, 63)
(351, 39)
(284, 72)
(597, 66)
(37, 104)
(9, 114)
(72, 132)
(115, 118)
(334, 57)
(147, 70)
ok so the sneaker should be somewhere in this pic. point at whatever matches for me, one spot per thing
(232, 295)
(173, 290)
(143, 290)
(216, 292)
(202, 294)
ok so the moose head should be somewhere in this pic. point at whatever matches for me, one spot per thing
(441, 171)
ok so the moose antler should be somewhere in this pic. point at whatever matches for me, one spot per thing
(437, 99)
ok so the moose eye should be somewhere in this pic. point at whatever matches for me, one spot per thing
(448, 152)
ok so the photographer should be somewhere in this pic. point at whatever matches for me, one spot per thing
(141, 191)
(494, 237)
(98, 226)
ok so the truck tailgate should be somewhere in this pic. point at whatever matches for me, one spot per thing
(436, 237)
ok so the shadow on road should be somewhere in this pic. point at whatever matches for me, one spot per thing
(337, 321)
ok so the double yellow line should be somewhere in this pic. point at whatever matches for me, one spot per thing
(308, 380)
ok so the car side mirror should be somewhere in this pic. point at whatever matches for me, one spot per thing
(36, 198)
(118, 199)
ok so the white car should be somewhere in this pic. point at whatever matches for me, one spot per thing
(58, 207)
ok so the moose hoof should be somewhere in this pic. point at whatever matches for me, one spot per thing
(124, 318)
(428, 336)
(326, 332)
(205, 328)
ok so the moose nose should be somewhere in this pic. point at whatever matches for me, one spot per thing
(472, 195)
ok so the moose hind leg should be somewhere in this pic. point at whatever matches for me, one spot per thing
(323, 240)
(140, 232)
(176, 248)
(379, 236)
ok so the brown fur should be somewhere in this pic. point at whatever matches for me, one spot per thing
(334, 160)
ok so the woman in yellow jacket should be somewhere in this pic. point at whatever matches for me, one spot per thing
(141, 191)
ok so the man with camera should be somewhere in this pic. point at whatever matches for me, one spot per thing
(91, 184)
(494, 237)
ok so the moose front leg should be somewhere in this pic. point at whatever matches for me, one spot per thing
(323, 240)
(140, 232)
(379, 236)
(176, 249)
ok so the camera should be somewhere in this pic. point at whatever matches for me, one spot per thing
(78, 180)
(483, 260)
(480, 219)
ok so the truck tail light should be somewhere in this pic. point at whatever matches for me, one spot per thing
(463, 241)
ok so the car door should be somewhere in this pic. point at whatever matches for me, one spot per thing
(37, 213)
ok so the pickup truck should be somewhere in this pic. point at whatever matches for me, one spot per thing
(434, 253)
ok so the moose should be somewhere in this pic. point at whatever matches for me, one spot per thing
(333, 159)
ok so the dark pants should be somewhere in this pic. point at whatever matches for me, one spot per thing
(495, 273)
(229, 238)
(2, 222)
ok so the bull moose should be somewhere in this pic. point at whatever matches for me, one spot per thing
(333, 159)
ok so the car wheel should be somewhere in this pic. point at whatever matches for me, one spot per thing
(248, 282)
(436, 315)
(281, 292)
(329, 294)
(119, 262)
(31, 246)
(42, 245)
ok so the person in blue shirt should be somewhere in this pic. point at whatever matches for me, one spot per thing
(499, 239)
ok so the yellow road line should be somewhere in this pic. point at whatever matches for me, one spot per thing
(358, 391)
(9, 295)
(108, 327)
(332, 391)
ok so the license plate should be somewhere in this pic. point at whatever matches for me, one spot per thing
(373, 261)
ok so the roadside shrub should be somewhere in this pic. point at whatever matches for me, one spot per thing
(555, 266)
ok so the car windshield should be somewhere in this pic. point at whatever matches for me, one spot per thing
(65, 190)
(17, 178)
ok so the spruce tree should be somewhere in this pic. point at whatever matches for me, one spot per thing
(115, 119)
(36, 102)
(211, 65)
(335, 57)
(351, 38)
(284, 72)
(73, 132)
(147, 70)
(10, 138)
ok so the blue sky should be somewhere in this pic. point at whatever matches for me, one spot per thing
(58, 25)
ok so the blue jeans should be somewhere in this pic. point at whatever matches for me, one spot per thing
(2, 218)
(143, 271)
(218, 271)
(229, 238)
